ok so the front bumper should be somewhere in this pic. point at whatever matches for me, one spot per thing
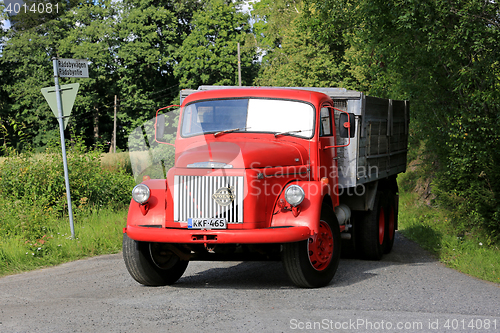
(241, 236)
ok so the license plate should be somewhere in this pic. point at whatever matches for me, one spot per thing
(207, 224)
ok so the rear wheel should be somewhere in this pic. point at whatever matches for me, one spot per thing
(312, 263)
(152, 264)
(392, 220)
(372, 238)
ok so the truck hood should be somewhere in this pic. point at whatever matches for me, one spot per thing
(245, 154)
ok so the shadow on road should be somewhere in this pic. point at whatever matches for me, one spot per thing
(249, 275)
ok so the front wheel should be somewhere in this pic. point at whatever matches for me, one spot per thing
(312, 263)
(152, 264)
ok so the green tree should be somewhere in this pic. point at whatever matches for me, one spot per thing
(3, 84)
(271, 20)
(94, 37)
(443, 56)
(26, 55)
(209, 54)
(131, 47)
(300, 48)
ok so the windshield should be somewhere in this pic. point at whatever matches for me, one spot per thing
(252, 115)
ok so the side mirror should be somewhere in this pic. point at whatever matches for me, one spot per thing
(160, 127)
(346, 123)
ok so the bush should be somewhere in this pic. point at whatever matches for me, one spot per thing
(468, 182)
(38, 180)
(34, 228)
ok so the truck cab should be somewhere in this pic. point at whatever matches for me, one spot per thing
(256, 177)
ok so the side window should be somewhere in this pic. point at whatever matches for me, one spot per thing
(326, 122)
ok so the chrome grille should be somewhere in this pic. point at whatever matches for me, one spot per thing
(194, 198)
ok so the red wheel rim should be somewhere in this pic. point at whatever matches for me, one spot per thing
(391, 223)
(381, 226)
(321, 248)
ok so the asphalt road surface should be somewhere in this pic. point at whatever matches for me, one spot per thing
(408, 291)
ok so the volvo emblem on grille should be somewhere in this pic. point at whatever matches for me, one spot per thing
(224, 196)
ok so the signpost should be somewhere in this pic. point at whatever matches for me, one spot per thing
(64, 99)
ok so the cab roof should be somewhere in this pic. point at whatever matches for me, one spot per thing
(257, 92)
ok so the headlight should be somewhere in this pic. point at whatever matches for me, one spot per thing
(294, 195)
(141, 193)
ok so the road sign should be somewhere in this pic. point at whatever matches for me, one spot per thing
(73, 68)
(68, 95)
(61, 104)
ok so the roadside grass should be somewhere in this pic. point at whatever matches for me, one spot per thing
(116, 162)
(34, 226)
(431, 227)
(96, 232)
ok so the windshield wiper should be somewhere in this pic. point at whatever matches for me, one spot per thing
(230, 130)
(288, 132)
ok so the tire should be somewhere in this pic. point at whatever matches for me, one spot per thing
(372, 239)
(151, 264)
(391, 221)
(305, 263)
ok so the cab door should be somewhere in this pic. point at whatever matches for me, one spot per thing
(328, 154)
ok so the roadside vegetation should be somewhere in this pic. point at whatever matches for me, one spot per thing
(96, 232)
(34, 226)
(440, 230)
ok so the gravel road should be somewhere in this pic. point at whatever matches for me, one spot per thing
(408, 291)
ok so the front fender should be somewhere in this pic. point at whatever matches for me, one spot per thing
(310, 208)
(154, 209)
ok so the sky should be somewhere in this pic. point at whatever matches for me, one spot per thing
(6, 24)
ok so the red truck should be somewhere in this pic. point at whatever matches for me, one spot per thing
(290, 174)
